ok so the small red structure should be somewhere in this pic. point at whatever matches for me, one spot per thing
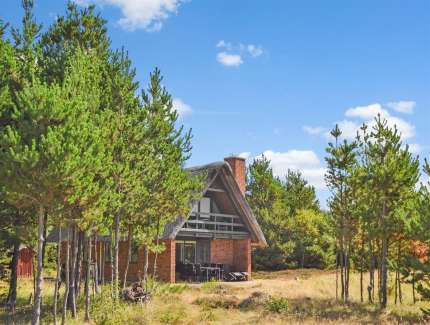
(25, 262)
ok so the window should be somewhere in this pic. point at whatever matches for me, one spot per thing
(203, 251)
(134, 252)
(107, 251)
(186, 251)
(193, 251)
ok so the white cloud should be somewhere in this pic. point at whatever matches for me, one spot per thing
(224, 44)
(402, 106)
(229, 60)
(318, 130)
(415, 148)
(141, 14)
(305, 161)
(233, 55)
(367, 112)
(349, 129)
(181, 107)
(254, 50)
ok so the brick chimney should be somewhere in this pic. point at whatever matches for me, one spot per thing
(238, 167)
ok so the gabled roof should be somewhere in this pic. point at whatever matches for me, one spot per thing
(224, 172)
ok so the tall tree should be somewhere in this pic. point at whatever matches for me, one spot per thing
(393, 174)
(341, 162)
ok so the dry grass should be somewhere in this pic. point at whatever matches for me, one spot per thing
(310, 294)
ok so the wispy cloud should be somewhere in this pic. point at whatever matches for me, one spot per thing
(402, 106)
(233, 55)
(141, 14)
(317, 130)
(181, 108)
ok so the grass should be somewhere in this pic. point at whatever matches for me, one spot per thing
(286, 297)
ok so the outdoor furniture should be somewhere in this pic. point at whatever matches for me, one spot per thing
(210, 270)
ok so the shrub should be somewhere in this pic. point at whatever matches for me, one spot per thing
(210, 285)
(277, 304)
(217, 302)
(172, 316)
(207, 315)
(256, 299)
(105, 311)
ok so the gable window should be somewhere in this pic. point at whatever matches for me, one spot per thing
(205, 208)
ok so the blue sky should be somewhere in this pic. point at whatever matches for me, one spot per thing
(252, 77)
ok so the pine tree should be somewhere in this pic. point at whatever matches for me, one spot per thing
(392, 174)
(341, 162)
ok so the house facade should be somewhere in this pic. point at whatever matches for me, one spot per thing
(220, 229)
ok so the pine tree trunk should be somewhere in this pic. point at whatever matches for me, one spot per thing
(154, 270)
(87, 280)
(67, 273)
(337, 275)
(39, 277)
(399, 255)
(400, 291)
(347, 275)
(111, 263)
(79, 263)
(362, 268)
(413, 288)
(116, 257)
(11, 297)
(361, 284)
(58, 277)
(395, 287)
(384, 272)
(129, 243)
(45, 230)
(145, 267)
(342, 271)
(72, 290)
(102, 262)
(96, 265)
(374, 266)
(371, 288)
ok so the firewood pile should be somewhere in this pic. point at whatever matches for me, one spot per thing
(136, 293)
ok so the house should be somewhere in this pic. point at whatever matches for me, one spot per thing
(220, 229)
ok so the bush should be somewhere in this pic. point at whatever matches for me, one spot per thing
(277, 304)
(219, 301)
(172, 316)
(210, 286)
(105, 311)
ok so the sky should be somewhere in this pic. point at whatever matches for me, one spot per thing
(273, 77)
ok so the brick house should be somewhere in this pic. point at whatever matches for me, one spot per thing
(220, 229)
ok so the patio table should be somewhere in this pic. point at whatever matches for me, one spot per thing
(210, 269)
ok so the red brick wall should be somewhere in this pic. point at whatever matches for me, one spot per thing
(238, 167)
(242, 255)
(166, 263)
(236, 253)
(222, 251)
